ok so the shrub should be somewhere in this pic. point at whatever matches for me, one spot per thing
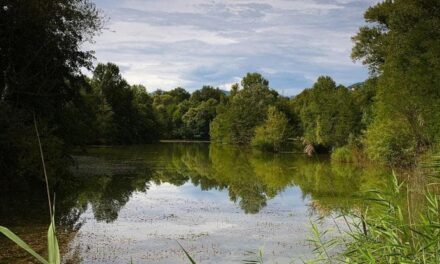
(391, 142)
(343, 155)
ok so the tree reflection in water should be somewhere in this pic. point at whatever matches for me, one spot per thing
(105, 178)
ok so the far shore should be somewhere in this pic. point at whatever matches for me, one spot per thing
(183, 141)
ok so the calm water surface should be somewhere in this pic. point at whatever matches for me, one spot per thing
(219, 202)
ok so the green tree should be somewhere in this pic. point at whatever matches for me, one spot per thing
(220, 127)
(166, 106)
(400, 45)
(197, 119)
(328, 113)
(246, 110)
(364, 96)
(41, 57)
(273, 132)
(206, 93)
(252, 80)
(133, 119)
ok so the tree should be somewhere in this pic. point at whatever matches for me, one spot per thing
(246, 110)
(401, 46)
(42, 54)
(252, 80)
(328, 114)
(166, 105)
(220, 127)
(132, 119)
(273, 132)
(206, 93)
(364, 97)
(197, 119)
(145, 118)
(41, 57)
(179, 94)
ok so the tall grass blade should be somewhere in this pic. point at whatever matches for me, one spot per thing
(186, 253)
(8, 233)
(52, 245)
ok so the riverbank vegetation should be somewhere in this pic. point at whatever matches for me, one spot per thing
(392, 118)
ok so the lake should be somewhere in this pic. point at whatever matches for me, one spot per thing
(219, 202)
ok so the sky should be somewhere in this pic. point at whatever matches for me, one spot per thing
(164, 44)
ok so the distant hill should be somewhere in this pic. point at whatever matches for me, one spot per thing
(227, 93)
(355, 85)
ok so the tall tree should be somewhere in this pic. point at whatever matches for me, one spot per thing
(41, 52)
(401, 46)
(246, 110)
(41, 57)
(328, 114)
(133, 119)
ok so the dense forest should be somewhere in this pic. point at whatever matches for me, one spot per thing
(392, 118)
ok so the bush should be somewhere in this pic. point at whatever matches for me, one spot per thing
(343, 155)
(391, 142)
(349, 154)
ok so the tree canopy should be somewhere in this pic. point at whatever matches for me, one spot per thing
(401, 47)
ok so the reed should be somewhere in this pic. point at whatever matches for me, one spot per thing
(385, 234)
(53, 251)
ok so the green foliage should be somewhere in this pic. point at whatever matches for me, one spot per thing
(220, 127)
(246, 110)
(273, 132)
(53, 250)
(400, 45)
(182, 115)
(328, 113)
(206, 93)
(41, 58)
(197, 119)
(381, 232)
(42, 53)
(391, 142)
(343, 155)
(363, 96)
(123, 113)
(252, 80)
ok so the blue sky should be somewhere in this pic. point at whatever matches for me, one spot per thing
(163, 44)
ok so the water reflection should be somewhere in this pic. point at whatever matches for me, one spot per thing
(105, 179)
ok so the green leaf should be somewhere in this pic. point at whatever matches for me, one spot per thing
(186, 253)
(52, 245)
(8, 233)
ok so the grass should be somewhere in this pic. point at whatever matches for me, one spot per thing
(342, 155)
(53, 251)
(384, 234)
(348, 154)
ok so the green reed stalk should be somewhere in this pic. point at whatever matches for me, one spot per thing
(53, 250)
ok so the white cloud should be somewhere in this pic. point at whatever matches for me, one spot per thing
(143, 32)
(169, 43)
